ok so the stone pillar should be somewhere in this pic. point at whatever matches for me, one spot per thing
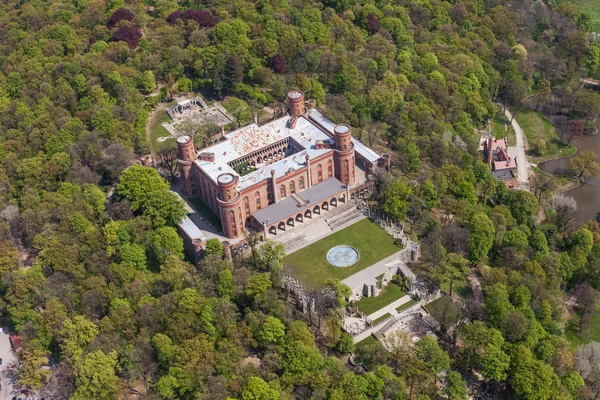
(255, 116)
(347, 192)
(274, 186)
(227, 250)
(307, 158)
(265, 230)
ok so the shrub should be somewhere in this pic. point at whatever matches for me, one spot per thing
(202, 17)
(279, 63)
(122, 14)
(130, 35)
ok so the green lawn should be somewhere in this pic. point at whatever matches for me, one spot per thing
(591, 7)
(158, 130)
(381, 319)
(404, 306)
(373, 243)
(206, 212)
(437, 306)
(390, 293)
(365, 342)
(591, 334)
(538, 128)
(501, 127)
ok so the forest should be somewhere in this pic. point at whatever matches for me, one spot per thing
(93, 274)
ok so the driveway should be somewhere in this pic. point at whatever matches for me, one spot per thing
(522, 163)
(8, 377)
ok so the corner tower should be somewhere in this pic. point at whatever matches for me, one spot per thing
(343, 155)
(185, 157)
(295, 106)
(229, 200)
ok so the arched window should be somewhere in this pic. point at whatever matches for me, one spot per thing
(282, 191)
(301, 183)
(246, 205)
(329, 168)
(319, 173)
(292, 187)
(257, 197)
(232, 219)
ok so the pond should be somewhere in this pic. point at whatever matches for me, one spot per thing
(588, 194)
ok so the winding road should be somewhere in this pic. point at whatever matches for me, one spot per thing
(522, 163)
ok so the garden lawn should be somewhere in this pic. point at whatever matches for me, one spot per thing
(206, 212)
(591, 334)
(158, 130)
(436, 305)
(591, 7)
(372, 242)
(537, 127)
(381, 319)
(404, 306)
(390, 293)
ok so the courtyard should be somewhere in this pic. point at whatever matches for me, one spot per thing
(310, 264)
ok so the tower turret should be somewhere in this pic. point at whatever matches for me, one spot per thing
(296, 103)
(187, 154)
(229, 200)
(343, 156)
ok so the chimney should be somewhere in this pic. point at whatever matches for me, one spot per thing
(307, 157)
(489, 153)
(255, 115)
(274, 186)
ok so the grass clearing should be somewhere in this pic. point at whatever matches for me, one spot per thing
(437, 306)
(381, 319)
(406, 305)
(206, 212)
(390, 293)
(372, 242)
(591, 7)
(542, 138)
(501, 127)
(591, 334)
(157, 130)
(365, 342)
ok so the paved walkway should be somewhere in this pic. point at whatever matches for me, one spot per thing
(396, 316)
(369, 275)
(390, 308)
(522, 163)
(9, 377)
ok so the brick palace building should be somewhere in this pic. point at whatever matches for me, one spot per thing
(270, 177)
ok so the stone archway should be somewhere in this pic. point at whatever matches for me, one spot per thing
(290, 221)
(281, 226)
(308, 214)
(300, 218)
(333, 202)
(325, 206)
(273, 230)
(317, 210)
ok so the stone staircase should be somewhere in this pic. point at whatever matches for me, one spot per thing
(348, 213)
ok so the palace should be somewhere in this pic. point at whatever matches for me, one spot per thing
(272, 176)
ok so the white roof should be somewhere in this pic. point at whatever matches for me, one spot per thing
(281, 167)
(191, 230)
(359, 146)
(183, 102)
(254, 137)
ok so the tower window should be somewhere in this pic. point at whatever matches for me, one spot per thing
(282, 190)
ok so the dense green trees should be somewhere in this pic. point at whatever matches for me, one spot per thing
(107, 290)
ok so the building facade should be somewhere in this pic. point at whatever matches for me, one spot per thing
(272, 176)
(502, 165)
